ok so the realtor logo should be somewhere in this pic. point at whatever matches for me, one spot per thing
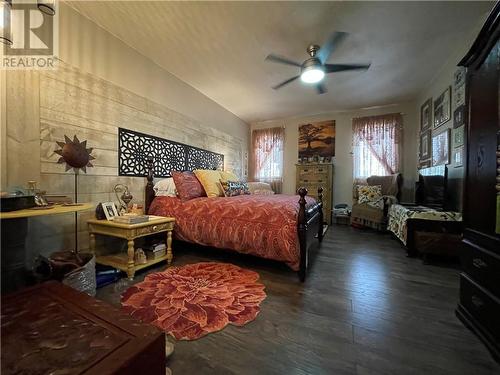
(29, 33)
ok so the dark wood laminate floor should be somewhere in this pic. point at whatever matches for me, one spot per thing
(365, 309)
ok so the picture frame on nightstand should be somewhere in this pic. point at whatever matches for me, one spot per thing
(110, 210)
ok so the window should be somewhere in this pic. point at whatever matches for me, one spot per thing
(267, 156)
(376, 143)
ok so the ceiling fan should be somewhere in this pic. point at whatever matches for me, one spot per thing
(313, 69)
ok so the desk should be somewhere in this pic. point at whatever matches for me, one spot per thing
(14, 231)
(53, 210)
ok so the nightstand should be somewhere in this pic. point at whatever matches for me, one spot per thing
(129, 232)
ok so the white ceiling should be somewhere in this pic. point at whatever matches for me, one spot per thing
(219, 48)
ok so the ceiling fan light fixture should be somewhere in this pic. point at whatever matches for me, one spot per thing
(312, 74)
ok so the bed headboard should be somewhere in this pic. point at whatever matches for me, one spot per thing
(143, 155)
(134, 149)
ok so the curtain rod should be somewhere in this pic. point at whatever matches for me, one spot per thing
(381, 115)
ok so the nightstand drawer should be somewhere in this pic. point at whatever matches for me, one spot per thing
(483, 306)
(154, 229)
(482, 266)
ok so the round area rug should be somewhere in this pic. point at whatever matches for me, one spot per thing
(191, 301)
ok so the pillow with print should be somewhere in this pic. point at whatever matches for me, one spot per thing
(234, 188)
(187, 185)
(368, 193)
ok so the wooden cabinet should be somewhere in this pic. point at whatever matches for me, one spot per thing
(479, 305)
(312, 176)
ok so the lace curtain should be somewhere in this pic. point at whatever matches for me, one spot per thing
(376, 145)
(266, 163)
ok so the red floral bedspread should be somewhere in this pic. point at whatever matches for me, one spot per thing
(262, 225)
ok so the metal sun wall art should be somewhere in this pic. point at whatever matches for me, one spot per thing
(75, 154)
(135, 148)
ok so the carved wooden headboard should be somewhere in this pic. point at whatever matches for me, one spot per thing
(135, 148)
(142, 155)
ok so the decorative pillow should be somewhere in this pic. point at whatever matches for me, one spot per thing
(369, 193)
(210, 180)
(165, 187)
(228, 176)
(187, 185)
(260, 188)
(262, 192)
(233, 188)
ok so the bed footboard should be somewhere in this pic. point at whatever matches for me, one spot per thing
(309, 223)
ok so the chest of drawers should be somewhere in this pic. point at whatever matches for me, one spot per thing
(312, 176)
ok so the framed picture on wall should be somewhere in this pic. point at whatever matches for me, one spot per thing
(425, 164)
(426, 115)
(459, 116)
(317, 139)
(441, 148)
(442, 108)
(425, 145)
(459, 77)
(459, 96)
(458, 136)
(458, 157)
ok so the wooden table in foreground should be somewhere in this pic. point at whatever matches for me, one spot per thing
(53, 329)
(129, 232)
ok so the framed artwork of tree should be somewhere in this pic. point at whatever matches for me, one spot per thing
(317, 138)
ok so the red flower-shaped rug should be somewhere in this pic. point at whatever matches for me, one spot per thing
(191, 301)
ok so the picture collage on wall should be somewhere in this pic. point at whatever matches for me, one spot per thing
(435, 141)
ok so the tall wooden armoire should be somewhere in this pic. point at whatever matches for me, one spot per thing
(479, 306)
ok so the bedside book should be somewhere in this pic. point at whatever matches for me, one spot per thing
(132, 219)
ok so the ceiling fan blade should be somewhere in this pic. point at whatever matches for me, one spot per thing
(332, 68)
(281, 60)
(285, 82)
(330, 45)
(320, 88)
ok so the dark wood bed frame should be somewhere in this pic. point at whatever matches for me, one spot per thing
(309, 221)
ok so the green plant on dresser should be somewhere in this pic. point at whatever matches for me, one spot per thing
(312, 176)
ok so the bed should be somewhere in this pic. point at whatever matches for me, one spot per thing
(278, 227)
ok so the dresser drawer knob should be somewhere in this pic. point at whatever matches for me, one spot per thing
(479, 263)
(155, 227)
(476, 301)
